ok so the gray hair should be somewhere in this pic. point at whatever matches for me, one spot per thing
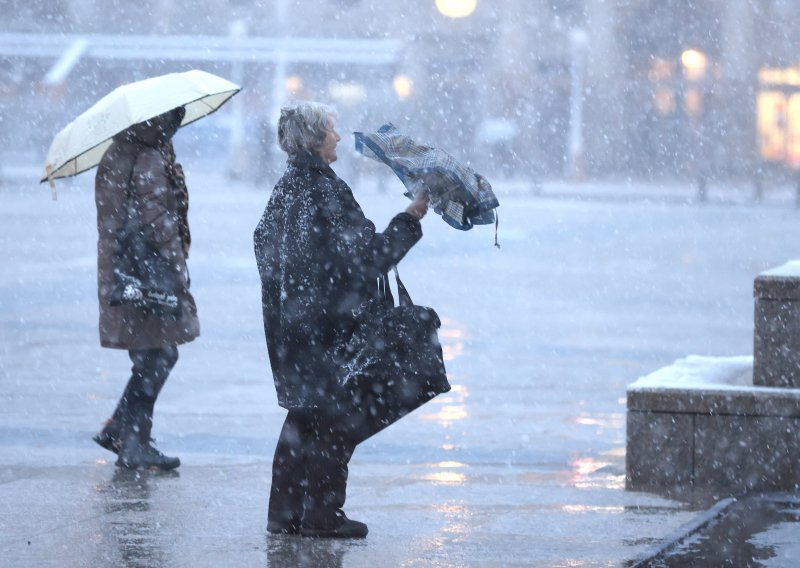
(303, 126)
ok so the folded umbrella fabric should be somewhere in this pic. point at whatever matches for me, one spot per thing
(462, 197)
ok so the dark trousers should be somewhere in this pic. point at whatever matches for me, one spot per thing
(150, 370)
(309, 470)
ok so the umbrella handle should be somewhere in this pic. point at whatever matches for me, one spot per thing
(52, 184)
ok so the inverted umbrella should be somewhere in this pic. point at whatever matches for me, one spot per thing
(462, 197)
(81, 144)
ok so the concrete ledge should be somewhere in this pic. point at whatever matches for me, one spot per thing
(769, 402)
(776, 338)
(697, 424)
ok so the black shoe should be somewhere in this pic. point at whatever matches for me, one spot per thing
(342, 528)
(145, 456)
(283, 527)
(108, 437)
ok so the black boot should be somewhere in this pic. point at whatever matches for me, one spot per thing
(108, 437)
(146, 456)
(339, 526)
(137, 450)
(130, 427)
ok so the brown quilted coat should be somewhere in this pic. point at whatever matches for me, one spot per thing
(134, 158)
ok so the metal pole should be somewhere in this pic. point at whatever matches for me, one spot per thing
(578, 40)
(237, 162)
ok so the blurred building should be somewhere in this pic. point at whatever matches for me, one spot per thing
(525, 88)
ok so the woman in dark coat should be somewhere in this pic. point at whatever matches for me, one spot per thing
(139, 180)
(319, 258)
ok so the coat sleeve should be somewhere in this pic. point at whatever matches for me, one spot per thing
(352, 238)
(156, 208)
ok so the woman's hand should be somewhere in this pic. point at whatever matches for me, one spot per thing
(419, 206)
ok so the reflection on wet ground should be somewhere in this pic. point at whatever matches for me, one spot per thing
(307, 553)
(445, 473)
(452, 340)
(129, 527)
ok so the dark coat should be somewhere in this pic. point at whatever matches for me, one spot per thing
(134, 158)
(319, 258)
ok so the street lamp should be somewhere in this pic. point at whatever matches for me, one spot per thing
(402, 85)
(293, 84)
(694, 64)
(456, 8)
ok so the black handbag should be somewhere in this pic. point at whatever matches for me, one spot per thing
(392, 363)
(142, 278)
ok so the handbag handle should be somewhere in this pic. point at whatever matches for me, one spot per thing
(405, 298)
(385, 292)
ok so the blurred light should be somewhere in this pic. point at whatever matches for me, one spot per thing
(347, 93)
(451, 332)
(788, 76)
(694, 64)
(450, 336)
(615, 452)
(450, 464)
(460, 389)
(293, 84)
(446, 477)
(585, 466)
(692, 102)
(456, 8)
(665, 100)
(793, 131)
(585, 475)
(614, 420)
(452, 350)
(403, 85)
(447, 415)
(661, 69)
(771, 121)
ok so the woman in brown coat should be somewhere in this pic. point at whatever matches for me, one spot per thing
(140, 187)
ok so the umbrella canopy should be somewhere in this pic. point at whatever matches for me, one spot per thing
(82, 143)
(462, 197)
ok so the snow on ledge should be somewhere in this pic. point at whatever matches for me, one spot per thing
(706, 373)
(789, 269)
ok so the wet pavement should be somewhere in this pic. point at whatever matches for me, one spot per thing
(522, 464)
(754, 530)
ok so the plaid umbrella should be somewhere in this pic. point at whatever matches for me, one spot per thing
(462, 197)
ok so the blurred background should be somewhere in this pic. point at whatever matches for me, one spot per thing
(526, 90)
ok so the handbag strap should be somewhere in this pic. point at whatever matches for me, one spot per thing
(402, 293)
(385, 292)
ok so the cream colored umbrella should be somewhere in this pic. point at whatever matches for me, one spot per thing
(82, 143)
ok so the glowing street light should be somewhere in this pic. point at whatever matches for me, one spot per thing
(694, 63)
(456, 8)
(293, 84)
(402, 85)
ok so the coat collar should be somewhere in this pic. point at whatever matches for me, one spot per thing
(311, 160)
